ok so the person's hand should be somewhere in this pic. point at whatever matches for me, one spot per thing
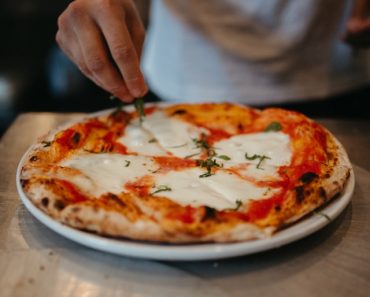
(358, 33)
(104, 38)
(358, 27)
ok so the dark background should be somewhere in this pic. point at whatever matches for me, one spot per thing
(35, 76)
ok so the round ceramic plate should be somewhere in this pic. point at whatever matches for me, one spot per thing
(192, 252)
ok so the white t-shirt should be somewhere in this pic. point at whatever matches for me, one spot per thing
(251, 51)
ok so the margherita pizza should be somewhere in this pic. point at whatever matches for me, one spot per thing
(186, 172)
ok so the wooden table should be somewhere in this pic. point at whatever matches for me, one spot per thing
(35, 261)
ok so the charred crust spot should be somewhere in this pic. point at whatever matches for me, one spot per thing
(116, 199)
(46, 182)
(179, 112)
(322, 193)
(308, 177)
(76, 138)
(299, 194)
(24, 182)
(209, 213)
(59, 204)
(45, 201)
(34, 158)
(327, 175)
(240, 126)
(277, 208)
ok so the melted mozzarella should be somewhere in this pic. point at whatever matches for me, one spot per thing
(109, 172)
(174, 135)
(233, 188)
(220, 191)
(188, 189)
(138, 140)
(104, 173)
(276, 146)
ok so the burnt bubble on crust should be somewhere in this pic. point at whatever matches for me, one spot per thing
(76, 137)
(45, 201)
(59, 204)
(34, 159)
(209, 213)
(24, 182)
(179, 112)
(299, 194)
(308, 177)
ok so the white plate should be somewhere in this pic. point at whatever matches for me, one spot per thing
(192, 252)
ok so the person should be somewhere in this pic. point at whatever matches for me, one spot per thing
(254, 52)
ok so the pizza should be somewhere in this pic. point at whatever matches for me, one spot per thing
(185, 173)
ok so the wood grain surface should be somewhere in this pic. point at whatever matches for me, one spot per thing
(35, 261)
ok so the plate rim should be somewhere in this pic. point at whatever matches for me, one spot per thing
(186, 252)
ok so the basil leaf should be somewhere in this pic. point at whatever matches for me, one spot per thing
(273, 127)
(207, 174)
(162, 188)
(224, 157)
(46, 143)
(251, 158)
(139, 106)
(254, 157)
(239, 203)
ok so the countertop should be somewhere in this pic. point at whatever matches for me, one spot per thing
(35, 261)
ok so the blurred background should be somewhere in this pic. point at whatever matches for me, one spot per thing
(36, 76)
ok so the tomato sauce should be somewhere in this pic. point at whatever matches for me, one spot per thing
(66, 138)
(150, 109)
(141, 187)
(261, 208)
(186, 215)
(119, 148)
(72, 190)
(173, 163)
(94, 124)
(217, 135)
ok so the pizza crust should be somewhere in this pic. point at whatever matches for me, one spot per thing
(328, 188)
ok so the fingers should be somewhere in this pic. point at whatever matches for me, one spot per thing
(358, 33)
(104, 39)
(136, 28)
(122, 49)
(74, 53)
(97, 60)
